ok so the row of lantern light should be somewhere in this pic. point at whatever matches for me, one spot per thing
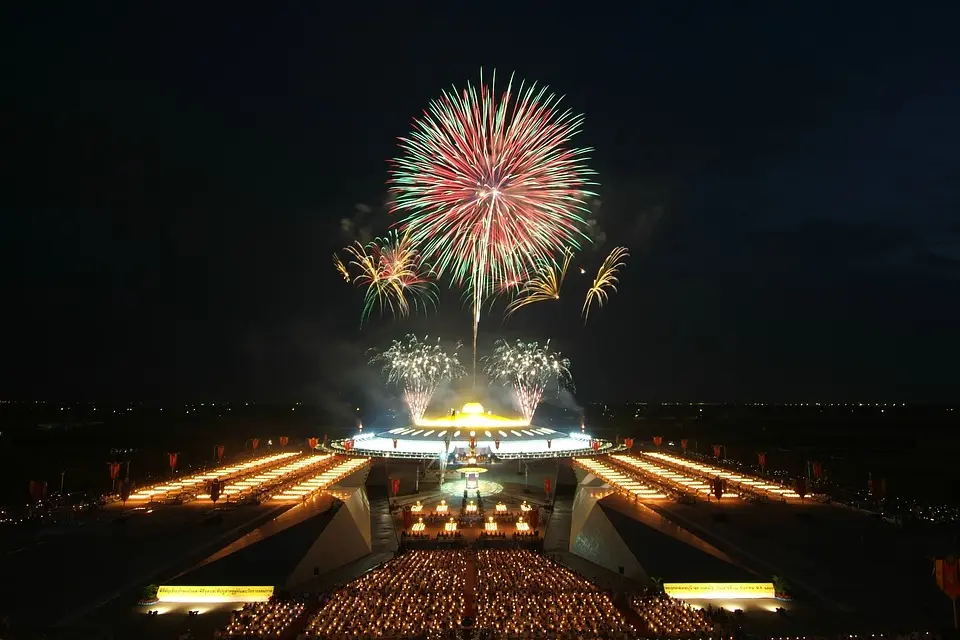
(322, 480)
(664, 474)
(251, 484)
(625, 483)
(199, 480)
(729, 476)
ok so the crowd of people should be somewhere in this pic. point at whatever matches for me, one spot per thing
(263, 619)
(669, 618)
(420, 593)
(508, 594)
(521, 594)
(446, 535)
(412, 535)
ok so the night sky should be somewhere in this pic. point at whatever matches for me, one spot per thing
(786, 175)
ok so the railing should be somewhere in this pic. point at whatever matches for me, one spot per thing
(605, 447)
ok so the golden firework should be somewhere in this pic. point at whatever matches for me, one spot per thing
(544, 286)
(606, 280)
(341, 268)
(393, 274)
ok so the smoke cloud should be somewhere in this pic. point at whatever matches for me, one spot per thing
(366, 222)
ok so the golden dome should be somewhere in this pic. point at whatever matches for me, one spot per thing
(472, 409)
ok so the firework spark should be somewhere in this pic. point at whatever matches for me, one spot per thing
(606, 280)
(489, 188)
(393, 273)
(544, 286)
(419, 368)
(341, 268)
(528, 368)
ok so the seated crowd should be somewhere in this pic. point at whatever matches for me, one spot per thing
(521, 594)
(418, 594)
(413, 535)
(516, 595)
(669, 618)
(263, 619)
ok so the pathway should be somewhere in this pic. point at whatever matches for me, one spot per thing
(470, 588)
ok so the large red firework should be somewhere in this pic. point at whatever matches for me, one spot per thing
(488, 188)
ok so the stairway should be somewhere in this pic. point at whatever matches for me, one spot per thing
(631, 616)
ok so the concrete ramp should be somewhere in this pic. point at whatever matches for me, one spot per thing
(347, 538)
(594, 538)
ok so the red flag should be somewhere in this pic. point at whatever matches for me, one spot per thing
(947, 573)
(716, 451)
(473, 442)
(817, 470)
(628, 442)
(394, 443)
(762, 459)
(172, 461)
(114, 470)
(395, 485)
(255, 442)
(683, 444)
(312, 442)
(535, 517)
(284, 440)
(547, 485)
(38, 490)
(219, 452)
(348, 444)
(496, 444)
(658, 440)
(596, 445)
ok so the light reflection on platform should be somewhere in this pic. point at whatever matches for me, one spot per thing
(457, 487)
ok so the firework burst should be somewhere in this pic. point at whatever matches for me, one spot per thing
(489, 188)
(544, 286)
(606, 280)
(419, 368)
(393, 274)
(341, 268)
(529, 369)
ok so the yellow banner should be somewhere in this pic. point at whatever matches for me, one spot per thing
(184, 594)
(718, 590)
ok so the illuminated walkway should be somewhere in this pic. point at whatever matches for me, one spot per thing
(661, 474)
(192, 484)
(706, 471)
(620, 481)
(251, 485)
(322, 479)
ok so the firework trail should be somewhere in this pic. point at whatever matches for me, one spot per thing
(419, 368)
(544, 286)
(393, 273)
(341, 268)
(606, 280)
(488, 187)
(528, 368)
